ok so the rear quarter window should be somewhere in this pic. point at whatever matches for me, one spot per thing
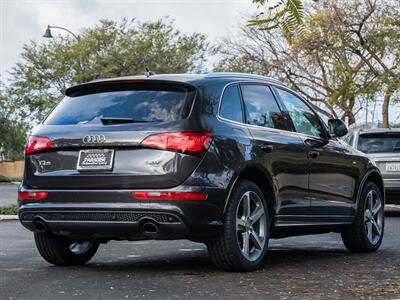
(231, 107)
(143, 103)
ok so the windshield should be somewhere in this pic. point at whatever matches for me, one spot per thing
(388, 142)
(147, 105)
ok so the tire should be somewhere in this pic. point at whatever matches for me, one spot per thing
(60, 251)
(366, 234)
(228, 250)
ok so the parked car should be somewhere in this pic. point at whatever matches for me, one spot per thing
(227, 159)
(382, 146)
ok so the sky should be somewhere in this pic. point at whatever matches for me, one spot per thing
(22, 21)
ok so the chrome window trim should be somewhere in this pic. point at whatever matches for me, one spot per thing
(222, 119)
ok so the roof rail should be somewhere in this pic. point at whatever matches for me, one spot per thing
(238, 74)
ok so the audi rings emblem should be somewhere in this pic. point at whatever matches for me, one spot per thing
(94, 139)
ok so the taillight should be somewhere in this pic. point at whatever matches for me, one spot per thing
(190, 196)
(185, 142)
(37, 143)
(32, 195)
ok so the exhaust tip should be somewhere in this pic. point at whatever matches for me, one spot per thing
(150, 228)
(40, 225)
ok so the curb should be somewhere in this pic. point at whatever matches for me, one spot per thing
(8, 217)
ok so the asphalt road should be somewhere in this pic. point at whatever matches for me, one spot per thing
(8, 194)
(312, 267)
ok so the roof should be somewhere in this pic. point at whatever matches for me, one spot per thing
(187, 77)
(378, 130)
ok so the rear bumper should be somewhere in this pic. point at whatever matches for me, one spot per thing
(115, 215)
(392, 195)
(392, 190)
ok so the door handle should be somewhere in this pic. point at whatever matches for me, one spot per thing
(313, 154)
(267, 148)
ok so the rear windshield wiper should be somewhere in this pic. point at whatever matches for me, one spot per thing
(112, 120)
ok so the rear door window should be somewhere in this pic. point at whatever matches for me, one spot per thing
(261, 107)
(231, 107)
(143, 104)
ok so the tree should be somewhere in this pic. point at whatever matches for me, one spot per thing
(110, 49)
(286, 14)
(366, 29)
(316, 64)
(372, 28)
(12, 131)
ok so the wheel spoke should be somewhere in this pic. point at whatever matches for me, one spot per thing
(366, 219)
(240, 224)
(369, 230)
(246, 244)
(246, 205)
(377, 207)
(256, 240)
(257, 214)
(376, 227)
(370, 201)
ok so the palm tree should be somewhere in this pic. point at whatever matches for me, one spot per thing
(287, 14)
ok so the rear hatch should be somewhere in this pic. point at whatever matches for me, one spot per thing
(95, 138)
(384, 149)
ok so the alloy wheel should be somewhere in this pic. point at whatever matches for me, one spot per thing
(80, 248)
(251, 225)
(373, 217)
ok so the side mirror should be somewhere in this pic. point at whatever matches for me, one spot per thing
(337, 128)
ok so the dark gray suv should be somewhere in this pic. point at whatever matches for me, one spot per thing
(227, 159)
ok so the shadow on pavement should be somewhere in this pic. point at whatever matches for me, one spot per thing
(199, 262)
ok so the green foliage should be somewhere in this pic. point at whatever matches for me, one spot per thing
(13, 136)
(286, 14)
(12, 133)
(11, 209)
(110, 49)
(5, 179)
(328, 63)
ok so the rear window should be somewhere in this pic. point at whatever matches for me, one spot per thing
(379, 143)
(146, 104)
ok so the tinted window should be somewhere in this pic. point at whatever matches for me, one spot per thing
(304, 119)
(152, 105)
(231, 108)
(379, 142)
(261, 107)
(351, 140)
(348, 138)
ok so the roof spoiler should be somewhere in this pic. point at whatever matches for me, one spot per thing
(115, 85)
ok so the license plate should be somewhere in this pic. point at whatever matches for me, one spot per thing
(95, 159)
(393, 167)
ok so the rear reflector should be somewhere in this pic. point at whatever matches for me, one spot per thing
(37, 143)
(186, 142)
(169, 196)
(32, 195)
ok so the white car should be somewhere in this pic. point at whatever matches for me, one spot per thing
(382, 145)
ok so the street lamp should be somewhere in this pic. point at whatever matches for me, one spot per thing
(47, 33)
